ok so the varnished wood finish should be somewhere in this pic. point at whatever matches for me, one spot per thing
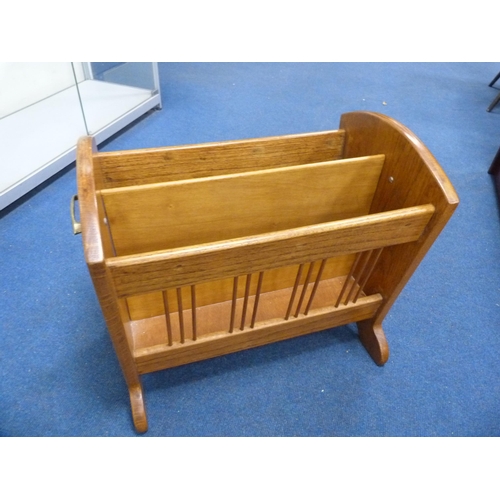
(315, 287)
(366, 276)
(410, 176)
(304, 288)
(257, 298)
(151, 304)
(348, 281)
(193, 311)
(362, 264)
(180, 312)
(323, 229)
(97, 245)
(294, 291)
(159, 357)
(138, 408)
(150, 166)
(167, 316)
(194, 212)
(213, 318)
(373, 338)
(233, 304)
(145, 273)
(245, 301)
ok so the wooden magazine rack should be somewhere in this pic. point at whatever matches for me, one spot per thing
(203, 250)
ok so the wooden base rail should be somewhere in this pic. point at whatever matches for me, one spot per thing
(161, 356)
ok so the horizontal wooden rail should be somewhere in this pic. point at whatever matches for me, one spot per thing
(146, 166)
(143, 273)
(162, 356)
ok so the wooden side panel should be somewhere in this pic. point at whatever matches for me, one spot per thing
(146, 166)
(97, 245)
(410, 176)
(185, 213)
(145, 273)
(97, 242)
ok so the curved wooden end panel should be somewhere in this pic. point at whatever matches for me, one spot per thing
(372, 337)
(138, 408)
(410, 177)
(411, 173)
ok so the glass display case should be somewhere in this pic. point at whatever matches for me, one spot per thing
(46, 107)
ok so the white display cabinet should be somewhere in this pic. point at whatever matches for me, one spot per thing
(46, 107)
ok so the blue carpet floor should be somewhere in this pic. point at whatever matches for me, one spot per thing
(58, 372)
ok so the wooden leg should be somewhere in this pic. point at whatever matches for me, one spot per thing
(138, 409)
(372, 337)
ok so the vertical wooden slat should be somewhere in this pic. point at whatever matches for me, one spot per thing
(181, 314)
(316, 283)
(348, 279)
(304, 289)
(167, 316)
(294, 291)
(193, 310)
(233, 304)
(257, 298)
(368, 274)
(245, 301)
(366, 258)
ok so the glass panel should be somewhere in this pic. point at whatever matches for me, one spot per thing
(40, 123)
(113, 89)
(133, 74)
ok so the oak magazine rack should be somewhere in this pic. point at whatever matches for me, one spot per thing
(203, 250)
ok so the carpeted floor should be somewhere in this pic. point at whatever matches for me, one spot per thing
(58, 372)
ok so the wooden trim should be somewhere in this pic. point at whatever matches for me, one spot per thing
(96, 244)
(191, 265)
(160, 357)
(410, 176)
(195, 211)
(146, 166)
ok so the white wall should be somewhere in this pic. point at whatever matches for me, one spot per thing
(23, 84)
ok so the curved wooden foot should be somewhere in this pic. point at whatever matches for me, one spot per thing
(372, 337)
(138, 409)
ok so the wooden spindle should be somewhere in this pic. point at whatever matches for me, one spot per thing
(193, 310)
(257, 298)
(304, 289)
(233, 304)
(294, 291)
(315, 287)
(366, 258)
(167, 316)
(245, 301)
(348, 279)
(368, 274)
(181, 313)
